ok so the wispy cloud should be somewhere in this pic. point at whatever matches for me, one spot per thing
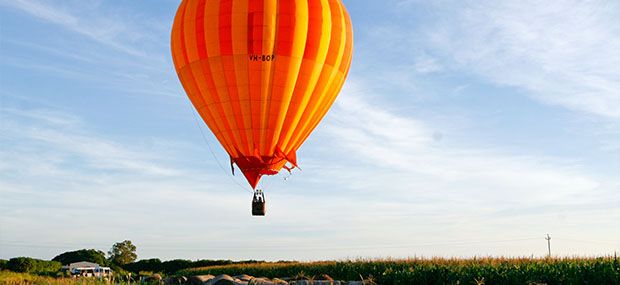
(111, 48)
(563, 52)
(465, 191)
(367, 132)
(56, 172)
(104, 29)
(60, 133)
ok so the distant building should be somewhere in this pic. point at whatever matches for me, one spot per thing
(87, 269)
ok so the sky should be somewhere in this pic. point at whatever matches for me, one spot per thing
(465, 128)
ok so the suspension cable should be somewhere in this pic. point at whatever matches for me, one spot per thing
(204, 137)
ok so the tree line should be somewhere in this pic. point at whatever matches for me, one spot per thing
(31, 265)
(121, 258)
(172, 266)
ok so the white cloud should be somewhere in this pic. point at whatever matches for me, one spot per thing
(83, 189)
(104, 29)
(426, 64)
(387, 142)
(413, 181)
(111, 48)
(564, 52)
(60, 132)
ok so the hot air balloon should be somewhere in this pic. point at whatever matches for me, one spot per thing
(262, 73)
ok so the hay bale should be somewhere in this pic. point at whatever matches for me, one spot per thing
(278, 281)
(225, 280)
(175, 280)
(259, 281)
(266, 281)
(155, 278)
(200, 279)
(243, 277)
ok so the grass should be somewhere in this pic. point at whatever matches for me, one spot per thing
(605, 270)
(13, 278)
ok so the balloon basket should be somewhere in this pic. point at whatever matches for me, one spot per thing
(258, 204)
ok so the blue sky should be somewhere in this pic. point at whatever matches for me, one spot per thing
(466, 128)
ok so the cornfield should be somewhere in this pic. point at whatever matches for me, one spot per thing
(605, 270)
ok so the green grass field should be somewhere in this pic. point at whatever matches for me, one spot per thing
(441, 271)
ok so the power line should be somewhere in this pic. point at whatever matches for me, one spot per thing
(589, 241)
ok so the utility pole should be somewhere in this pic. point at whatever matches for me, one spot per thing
(548, 238)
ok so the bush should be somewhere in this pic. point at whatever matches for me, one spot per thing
(153, 265)
(172, 266)
(90, 255)
(3, 263)
(205, 263)
(21, 264)
(31, 265)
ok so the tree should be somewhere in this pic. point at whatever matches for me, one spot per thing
(90, 255)
(152, 265)
(32, 265)
(123, 253)
(172, 266)
(21, 264)
(3, 263)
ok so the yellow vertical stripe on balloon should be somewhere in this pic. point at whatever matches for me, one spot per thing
(191, 86)
(203, 74)
(189, 24)
(176, 50)
(269, 34)
(350, 44)
(290, 72)
(321, 94)
(255, 36)
(304, 89)
(191, 76)
(323, 109)
(342, 69)
(177, 54)
(336, 49)
(222, 105)
(231, 106)
(177, 34)
(338, 83)
(198, 102)
(240, 54)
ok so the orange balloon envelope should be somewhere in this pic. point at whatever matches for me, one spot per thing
(262, 73)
